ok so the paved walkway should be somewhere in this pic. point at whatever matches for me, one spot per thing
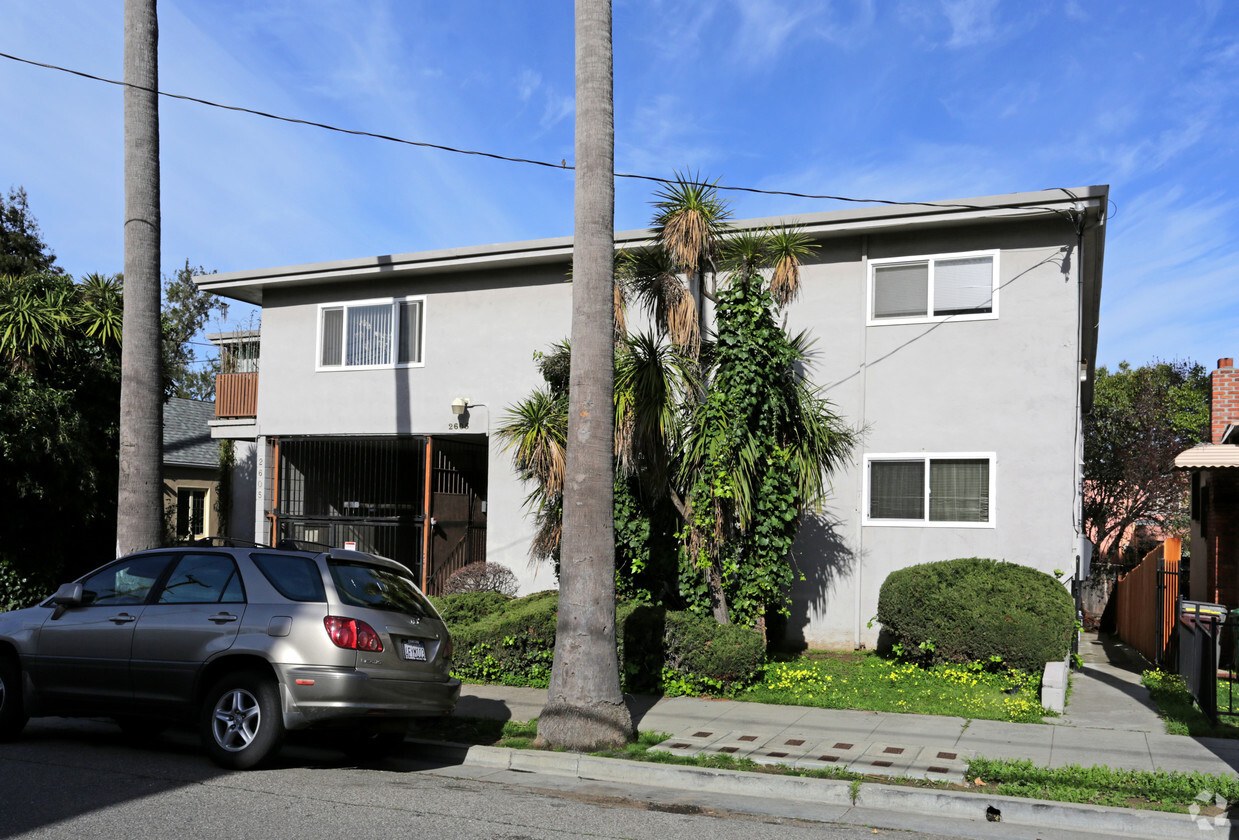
(1108, 721)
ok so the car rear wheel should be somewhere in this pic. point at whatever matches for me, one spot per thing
(12, 715)
(241, 721)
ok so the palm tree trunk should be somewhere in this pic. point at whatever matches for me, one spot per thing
(585, 708)
(139, 514)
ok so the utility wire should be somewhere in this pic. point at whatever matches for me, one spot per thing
(509, 159)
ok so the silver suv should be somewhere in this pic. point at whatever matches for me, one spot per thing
(249, 642)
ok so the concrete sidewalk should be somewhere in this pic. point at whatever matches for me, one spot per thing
(1109, 721)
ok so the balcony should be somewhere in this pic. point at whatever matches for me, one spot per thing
(236, 396)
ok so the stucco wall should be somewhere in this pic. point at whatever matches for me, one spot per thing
(1006, 386)
(480, 336)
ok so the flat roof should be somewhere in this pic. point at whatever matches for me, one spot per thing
(249, 285)
(1087, 204)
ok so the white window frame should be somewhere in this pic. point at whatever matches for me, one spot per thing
(931, 260)
(395, 339)
(927, 457)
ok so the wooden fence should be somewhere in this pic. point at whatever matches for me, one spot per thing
(236, 395)
(1147, 600)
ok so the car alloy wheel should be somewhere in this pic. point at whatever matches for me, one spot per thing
(236, 720)
(241, 721)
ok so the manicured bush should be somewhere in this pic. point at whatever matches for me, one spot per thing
(482, 577)
(974, 609)
(469, 607)
(513, 643)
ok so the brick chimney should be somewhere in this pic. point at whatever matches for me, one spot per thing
(1224, 400)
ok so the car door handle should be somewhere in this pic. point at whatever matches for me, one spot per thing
(123, 618)
(222, 618)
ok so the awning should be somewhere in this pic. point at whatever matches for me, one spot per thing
(1208, 456)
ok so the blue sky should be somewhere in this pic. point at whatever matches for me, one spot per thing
(913, 100)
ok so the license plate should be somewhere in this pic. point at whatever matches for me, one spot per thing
(414, 650)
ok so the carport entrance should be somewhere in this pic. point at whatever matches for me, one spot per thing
(409, 498)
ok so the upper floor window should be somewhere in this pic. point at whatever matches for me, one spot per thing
(954, 490)
(918, 289)
(371, 333)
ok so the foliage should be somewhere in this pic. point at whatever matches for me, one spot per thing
(867, 681)
(721, 445)
(19, 589)
(186, 310)
(1142, 418)
(469, 607)
(59, 406)
(512, 646)
(227, 463)
(22, 250)
(1179, 711)
(1100, 785)
(482, 577)
(974, 609)
(760, 444)
(511, 642)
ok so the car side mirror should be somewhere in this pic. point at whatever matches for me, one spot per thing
(68, 595)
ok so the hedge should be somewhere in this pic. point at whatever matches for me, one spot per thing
(512, 642)
(975, 609)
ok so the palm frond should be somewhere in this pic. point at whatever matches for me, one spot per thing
(788, 247)
(537, 429)
(650, 277)
(689, 220)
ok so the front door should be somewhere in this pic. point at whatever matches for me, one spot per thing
(82, 657)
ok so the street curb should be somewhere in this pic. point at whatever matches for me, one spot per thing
(873, 795)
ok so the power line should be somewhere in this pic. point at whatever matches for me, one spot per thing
(530, 161)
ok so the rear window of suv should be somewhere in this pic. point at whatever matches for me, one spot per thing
(296, 578)
(378, 587)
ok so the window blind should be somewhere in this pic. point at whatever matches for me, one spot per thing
(901, 291)
(964, 286)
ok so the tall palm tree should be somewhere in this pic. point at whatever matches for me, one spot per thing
(585, 707)
(139, 502)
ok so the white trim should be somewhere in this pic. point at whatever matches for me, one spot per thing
(395, 337)
(931, 260)
(927, 457)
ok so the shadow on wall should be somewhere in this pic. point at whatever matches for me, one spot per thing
(825, 558)
(244, 484)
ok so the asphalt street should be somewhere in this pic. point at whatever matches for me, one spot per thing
(74, 779)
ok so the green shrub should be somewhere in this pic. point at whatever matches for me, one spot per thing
(17, 589)
(469, 607)
(512, 642)
(973, 609)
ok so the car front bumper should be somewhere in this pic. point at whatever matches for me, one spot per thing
(313, 696)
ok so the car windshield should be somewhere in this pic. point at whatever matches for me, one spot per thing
(379, 587)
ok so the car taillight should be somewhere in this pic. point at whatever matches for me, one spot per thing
(352, 634)
(449, 648)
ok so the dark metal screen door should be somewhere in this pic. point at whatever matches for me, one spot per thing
(372, 492)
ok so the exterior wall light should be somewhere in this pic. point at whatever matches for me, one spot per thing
(460, 405)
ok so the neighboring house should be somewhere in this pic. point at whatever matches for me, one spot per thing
(961, 336)
(236, 399)
(1214, 576)
(190, 468)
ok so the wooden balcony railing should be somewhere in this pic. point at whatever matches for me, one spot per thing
(236, 395)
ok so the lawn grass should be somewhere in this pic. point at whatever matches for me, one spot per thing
(870, 682)
(1180, 712)
(1099, 785)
